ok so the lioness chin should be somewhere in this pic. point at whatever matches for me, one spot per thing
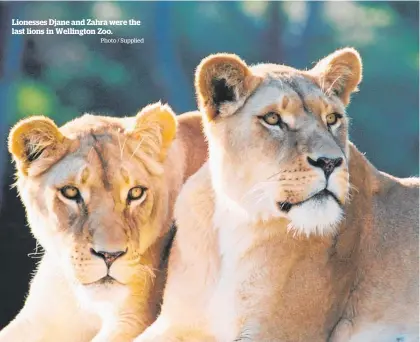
(288, 233)
(99, 195)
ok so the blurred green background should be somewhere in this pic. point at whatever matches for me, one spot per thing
(65, 76)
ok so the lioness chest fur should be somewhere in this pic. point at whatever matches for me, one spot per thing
(288, 233)
(99, 195)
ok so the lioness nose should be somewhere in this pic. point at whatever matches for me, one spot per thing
(326, 164)
(108, 257)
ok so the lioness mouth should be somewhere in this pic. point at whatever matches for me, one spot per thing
(286, 206)
(107, 280)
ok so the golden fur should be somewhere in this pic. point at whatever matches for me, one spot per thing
(274, 243)
(104, 158)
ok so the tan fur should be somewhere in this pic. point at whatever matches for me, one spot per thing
(244, 269)
(104, 158)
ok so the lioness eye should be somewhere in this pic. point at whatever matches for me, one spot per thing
(271, 119)
(332, 118)
(70, 192)
(136, 193)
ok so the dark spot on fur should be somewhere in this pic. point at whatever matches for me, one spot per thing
(338, 91)
(167, 248)
(222, 92)
(31, 153)
(285, 206)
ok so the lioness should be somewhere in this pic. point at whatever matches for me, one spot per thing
(99, 195)
(288, 233)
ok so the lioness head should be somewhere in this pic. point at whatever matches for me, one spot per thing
(278, 136)
(94, 190)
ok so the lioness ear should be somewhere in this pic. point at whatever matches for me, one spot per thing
(155, 127)
(35, 144)
(339, 73)
(222, 83)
